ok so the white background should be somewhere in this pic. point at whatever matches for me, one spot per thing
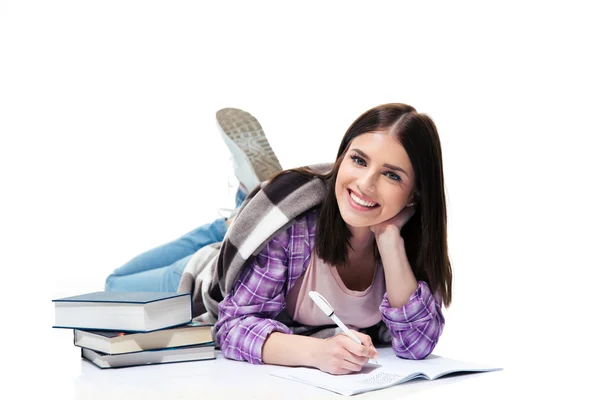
(109, 147)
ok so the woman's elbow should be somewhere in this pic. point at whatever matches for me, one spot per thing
(415, 345)
(228, 349)
(222, 330)
(417, 351)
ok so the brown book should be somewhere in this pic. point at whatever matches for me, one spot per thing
(113, 342)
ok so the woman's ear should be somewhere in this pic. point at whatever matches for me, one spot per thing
(413, 199)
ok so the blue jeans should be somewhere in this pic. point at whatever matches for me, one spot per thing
(160, 269)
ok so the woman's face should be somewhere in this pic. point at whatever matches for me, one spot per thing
(375, 180)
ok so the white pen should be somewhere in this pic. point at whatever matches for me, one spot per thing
(328, 310)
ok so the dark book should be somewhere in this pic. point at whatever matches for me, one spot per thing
(149, 357)
(123, 311)
(112, 342)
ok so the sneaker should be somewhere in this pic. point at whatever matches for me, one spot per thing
(253, 159)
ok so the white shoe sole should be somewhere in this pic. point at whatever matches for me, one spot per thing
(254, 159)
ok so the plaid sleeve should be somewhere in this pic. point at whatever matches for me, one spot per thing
(416, 326)
(246, 314)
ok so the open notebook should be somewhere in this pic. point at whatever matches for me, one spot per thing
(390, 371)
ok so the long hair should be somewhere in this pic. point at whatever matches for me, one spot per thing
(425, 234)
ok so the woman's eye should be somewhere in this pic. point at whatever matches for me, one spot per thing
(393, 176)
(358, 160)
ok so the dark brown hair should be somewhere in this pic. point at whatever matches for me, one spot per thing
(425, 234)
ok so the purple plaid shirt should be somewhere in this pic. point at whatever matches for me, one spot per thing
(246, 315)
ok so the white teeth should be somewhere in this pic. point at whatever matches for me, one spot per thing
(361, 202)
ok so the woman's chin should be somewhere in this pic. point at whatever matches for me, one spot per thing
(354, 221)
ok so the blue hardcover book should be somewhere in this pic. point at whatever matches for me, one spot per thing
(123, 311)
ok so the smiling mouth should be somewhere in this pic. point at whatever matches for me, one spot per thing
(359, 203)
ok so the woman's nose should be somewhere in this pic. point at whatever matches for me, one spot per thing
(367, 182)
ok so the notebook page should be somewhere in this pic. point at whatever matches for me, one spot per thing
(372, 377)
(436, 366)
(390, 371)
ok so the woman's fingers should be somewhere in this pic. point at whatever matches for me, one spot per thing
(367, 342)
(364, 339)
(355, 353)
(345, 355)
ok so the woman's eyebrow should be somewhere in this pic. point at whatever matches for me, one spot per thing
(390, 166)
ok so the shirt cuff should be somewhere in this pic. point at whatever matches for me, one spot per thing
(415, 312)
(257, 335)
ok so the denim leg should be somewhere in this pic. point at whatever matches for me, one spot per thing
(166, 255)
(204, 235)
(164, 279)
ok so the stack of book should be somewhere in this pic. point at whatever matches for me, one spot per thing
(125, 329)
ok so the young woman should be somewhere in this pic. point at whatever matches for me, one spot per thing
(368, 233)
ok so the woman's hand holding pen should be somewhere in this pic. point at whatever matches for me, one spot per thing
(340, 355)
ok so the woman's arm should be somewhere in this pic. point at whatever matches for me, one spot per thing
(291, 350)
(246, 315)
(399, 277)
(410, 311)
(336, 355)
(246, 329)
(416, 327)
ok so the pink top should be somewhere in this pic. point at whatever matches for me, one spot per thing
(356, 309)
